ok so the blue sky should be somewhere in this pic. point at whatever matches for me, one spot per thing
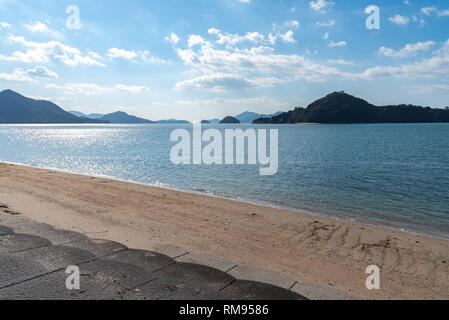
(198, 59)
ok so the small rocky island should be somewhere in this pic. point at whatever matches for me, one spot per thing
(229, 120)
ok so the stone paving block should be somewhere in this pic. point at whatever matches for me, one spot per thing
(167, 289)
(171, 251)
(48, 287)
(57, 237)
(261, 275)
(100, 248)
(150, 261)
(18, 267)
(250, 290)
(100, 280)
(5, 230)
(33, 228)
(11, 243)
(43, 230)
(32, 268)
(184, 281)
(321, 293)
(15, 268)
(209, 261)
(194, 273)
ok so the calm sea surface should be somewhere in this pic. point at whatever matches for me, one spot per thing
(391, 174)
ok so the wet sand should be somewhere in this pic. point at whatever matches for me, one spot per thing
(309, 249)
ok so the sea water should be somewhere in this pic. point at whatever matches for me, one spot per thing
(396, 175)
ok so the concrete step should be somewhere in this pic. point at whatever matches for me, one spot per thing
(25, 265)
(99, 248)
(11, 243)
(34, 258)
(100, 280)
(251, 290)
(5, 230)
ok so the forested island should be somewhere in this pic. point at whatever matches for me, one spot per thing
(340, 107)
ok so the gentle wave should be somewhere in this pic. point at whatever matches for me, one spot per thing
(390, 175)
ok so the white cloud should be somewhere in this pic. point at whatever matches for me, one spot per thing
(320, 5)
(84, 60)
(147, 57)
(18, 75)
(239, 101)
(256, 62)
(94, 55)
(42, 52)
(80, 88)
(440, 13)
(41, 72)
(195, 40)
(436, 66)
(288, 37)
(39, 27)
(431, 88)
(333, 44)
(399, 20)
(115, 53)
(173, 38)
(221, 82)
(132, 55)
(220, 69)
(329, 23)
(4, 25)
(91, 89)
(341, 62)
(231, 40)
(244, 1)
(408, 50)
(131, 89)
(292, 24)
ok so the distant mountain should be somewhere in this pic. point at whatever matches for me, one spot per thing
(173, 121)
(123, 117)
(339, 107)
(15, 108)
(249, 117)
(246, 117)
(229, 120)
(78, 114)
(205, 122)
(89, 116)
(95, 116)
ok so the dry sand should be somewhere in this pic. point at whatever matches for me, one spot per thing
(309, 249)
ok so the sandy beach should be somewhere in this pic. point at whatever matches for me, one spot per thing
(309, 249)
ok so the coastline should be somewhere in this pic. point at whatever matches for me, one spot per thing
(286, 207)
(311, 249)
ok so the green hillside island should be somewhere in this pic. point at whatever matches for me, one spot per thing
(15, 109)
(229, 120)
(339, 108)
